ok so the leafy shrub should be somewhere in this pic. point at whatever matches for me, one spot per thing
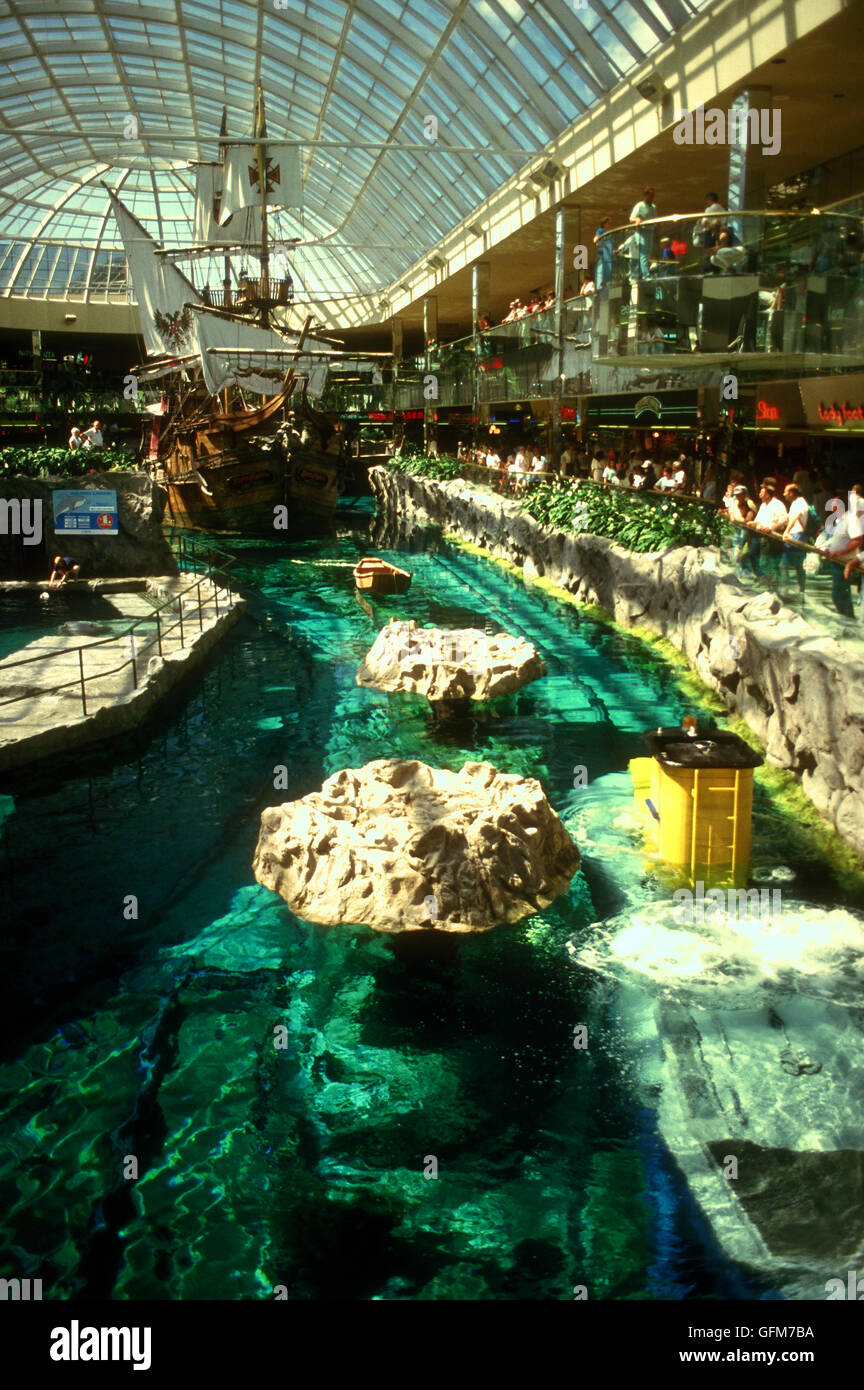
(45, 461)
(641, 522)
(442, 468)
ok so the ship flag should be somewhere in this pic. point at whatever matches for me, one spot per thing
(241, 229)
(242, 181)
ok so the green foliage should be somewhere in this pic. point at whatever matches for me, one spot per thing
(442, 468)
(45, 461)
(642, 522)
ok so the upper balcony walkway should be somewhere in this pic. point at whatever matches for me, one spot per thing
(778, 293)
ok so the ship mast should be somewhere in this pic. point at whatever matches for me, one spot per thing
(260, 134)
(223, 149)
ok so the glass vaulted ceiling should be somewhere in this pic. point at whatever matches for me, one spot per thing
(500, 77)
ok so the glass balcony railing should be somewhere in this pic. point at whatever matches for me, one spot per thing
(784, 285)
(746, 282)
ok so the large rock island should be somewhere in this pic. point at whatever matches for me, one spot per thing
(400, 846)
(465, 664)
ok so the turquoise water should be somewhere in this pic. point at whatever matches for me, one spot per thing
(153, 1037)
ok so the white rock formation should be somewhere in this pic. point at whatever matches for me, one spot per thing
(400, 846)
(465, 664)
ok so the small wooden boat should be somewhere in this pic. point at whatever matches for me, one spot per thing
(379, 577)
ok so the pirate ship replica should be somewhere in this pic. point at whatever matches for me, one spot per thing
(227, 464)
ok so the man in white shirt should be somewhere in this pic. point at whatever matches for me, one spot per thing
(610, 476)
(642, 239)
(844, 538)
(596, 469)
(93, 437)
(772, 515)
(795, 530)
(75, 440)
(492, 459)
(770, 519)
(566, 460)
(666, 483)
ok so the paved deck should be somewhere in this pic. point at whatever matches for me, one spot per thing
(86, 587)
(38, 720)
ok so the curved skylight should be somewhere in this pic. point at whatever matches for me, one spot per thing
(129, 93)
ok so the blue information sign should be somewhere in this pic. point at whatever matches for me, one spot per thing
(88, 512)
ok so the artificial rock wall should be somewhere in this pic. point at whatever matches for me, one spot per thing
(801, 693)
(139, 549)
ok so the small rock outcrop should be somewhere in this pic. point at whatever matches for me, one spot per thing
(465, 664)
(400, 846)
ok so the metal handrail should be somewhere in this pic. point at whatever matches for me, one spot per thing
(767, 213)
(129, 631)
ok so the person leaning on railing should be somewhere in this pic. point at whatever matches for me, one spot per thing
(770, 520)
(842, 539)
(740, 507)
(795, 530)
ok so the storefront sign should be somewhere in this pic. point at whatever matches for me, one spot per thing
(645, 404)
(91, 511)
(834, 403)
(835, 414)
(766, 411)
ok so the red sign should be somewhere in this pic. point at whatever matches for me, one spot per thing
(568, 412)
(839, 414)
(381, 415)
(764, 411)
(104, 521)
(412, 415)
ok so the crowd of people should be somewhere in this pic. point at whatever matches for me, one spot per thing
(534, 304)
(794, 510)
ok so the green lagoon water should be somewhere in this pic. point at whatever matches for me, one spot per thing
(306, 1166)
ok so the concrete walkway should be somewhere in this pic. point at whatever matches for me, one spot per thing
(87, 587)
(38, 720)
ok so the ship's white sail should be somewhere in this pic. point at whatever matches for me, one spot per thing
(254, 358)
(241, 229)
(162, 291)
(242, 184)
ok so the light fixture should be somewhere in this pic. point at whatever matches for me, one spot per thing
(70, 318)
(475, 229)
(436, 263)
(652, 87)
(546, 173)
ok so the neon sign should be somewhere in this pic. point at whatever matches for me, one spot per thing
(765, 411)
(839, 414)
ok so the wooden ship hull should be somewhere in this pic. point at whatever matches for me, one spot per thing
(230, 472)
